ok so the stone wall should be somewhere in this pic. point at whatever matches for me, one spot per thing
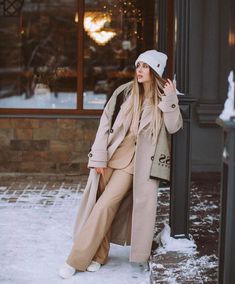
(46, 145)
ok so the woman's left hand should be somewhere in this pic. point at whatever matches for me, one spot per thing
(169, 88)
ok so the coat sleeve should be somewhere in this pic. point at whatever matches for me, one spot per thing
(172, 117)
(98, 156)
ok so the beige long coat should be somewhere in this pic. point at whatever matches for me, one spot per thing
(135, 220)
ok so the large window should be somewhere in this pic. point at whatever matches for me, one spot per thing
(66, 56)
(39, 56)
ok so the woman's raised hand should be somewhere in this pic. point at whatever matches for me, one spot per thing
(169, 88)
(100, 170)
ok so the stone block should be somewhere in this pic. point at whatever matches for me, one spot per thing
(37, 167)
(6, 135)
(82, 146)
(48, 123)
(10, 167)
(66, 123)
(29, 145)
(85, 134)
(69, 167)
(89, 135)
(58, 146)
(84, 169)
(5, 123)
(23, 134)
(10, 156)
(58, 156)
(25, 123)
(44, 133)
(91, 124)
(66, 134)
(36, 156)
(79, 157)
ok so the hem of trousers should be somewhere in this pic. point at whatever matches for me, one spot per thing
(77, 267)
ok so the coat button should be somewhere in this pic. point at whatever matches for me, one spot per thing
(173, 105)
(111, 130)
(90, 155)
(152, 158)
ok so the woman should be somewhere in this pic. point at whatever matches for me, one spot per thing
(120, 199)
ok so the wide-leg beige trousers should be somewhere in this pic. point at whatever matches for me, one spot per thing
(92, 242)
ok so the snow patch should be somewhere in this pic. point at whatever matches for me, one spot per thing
(168, 243)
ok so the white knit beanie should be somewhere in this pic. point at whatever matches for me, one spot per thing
(155, 59)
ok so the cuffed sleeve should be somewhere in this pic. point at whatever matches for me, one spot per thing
(172, 117)
(168, 103)
(98, 159)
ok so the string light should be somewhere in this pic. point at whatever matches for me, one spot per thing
(129, 9)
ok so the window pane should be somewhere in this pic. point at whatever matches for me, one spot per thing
(38, 59)
(111, 38)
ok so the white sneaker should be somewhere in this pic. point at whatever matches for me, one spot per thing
(66, 271)
(94, 266)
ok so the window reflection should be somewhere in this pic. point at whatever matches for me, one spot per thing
(38, 61)
(111, 40)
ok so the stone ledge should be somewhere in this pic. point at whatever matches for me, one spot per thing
(42, 177)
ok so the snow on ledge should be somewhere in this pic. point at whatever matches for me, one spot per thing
(168, 243)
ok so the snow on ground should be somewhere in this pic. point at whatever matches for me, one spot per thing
(36, 237)
(168, 243)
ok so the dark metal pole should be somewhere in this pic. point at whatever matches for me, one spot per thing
(181, 172)
(227, 221)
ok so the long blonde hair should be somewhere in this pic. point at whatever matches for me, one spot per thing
(135, 102)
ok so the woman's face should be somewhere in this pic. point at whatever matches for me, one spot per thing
(142, 72)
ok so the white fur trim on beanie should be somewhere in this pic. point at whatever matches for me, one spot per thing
(155, 59)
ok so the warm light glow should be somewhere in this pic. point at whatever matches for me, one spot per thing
(231, 38)
(102, 37)
(76, 18)
(94, 23)
(176, 29)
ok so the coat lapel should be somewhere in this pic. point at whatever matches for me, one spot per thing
(123, 119)
(146, 117)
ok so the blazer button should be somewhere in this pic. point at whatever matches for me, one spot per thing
(90, 155)
(152, 158)
(111, 130)
(173, 105)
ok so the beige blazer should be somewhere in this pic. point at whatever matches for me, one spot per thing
(124, 153)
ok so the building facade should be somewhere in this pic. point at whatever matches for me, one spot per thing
(61, 60)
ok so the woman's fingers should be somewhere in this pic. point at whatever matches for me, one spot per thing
(100, 170)
(169, 87)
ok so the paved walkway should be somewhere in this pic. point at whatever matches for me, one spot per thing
(36, 220)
